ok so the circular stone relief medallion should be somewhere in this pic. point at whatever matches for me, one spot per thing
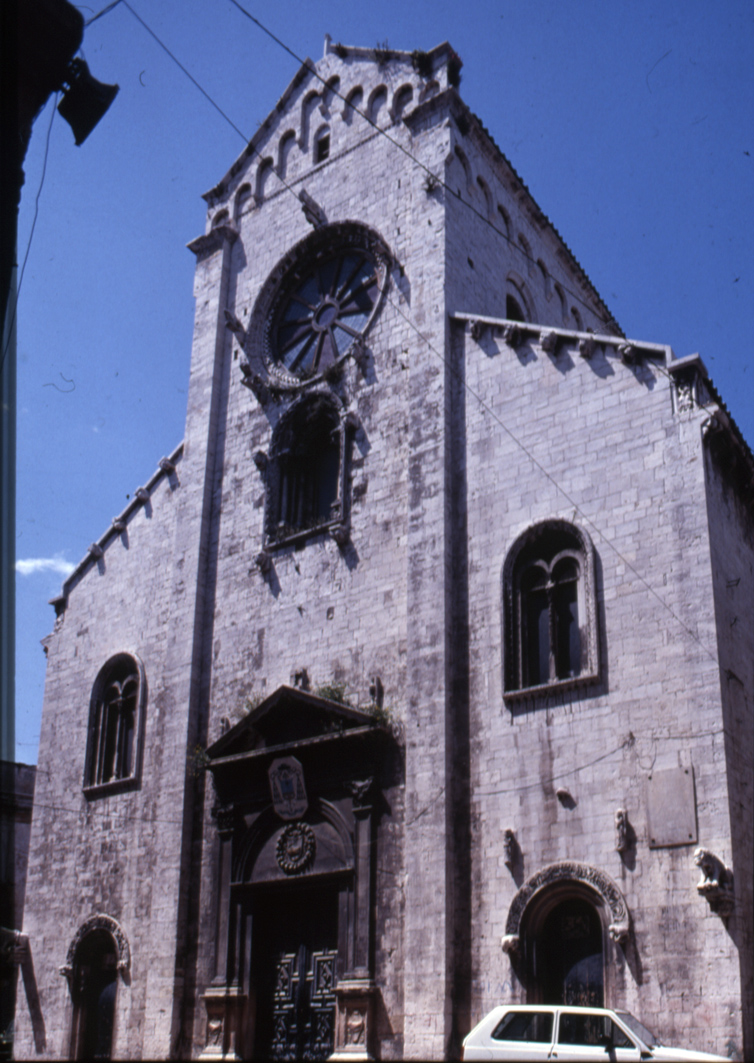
(295, 848)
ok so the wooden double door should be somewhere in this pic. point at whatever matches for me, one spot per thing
(293, 971)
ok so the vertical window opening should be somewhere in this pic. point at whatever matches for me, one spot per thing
(309, 472)
(322, 148)
(113, 723)
(548, 586)
(513, 310)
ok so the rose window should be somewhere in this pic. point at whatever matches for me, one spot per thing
(327, 307)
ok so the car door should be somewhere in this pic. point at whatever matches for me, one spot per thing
(592, 1037)
(523, 1035)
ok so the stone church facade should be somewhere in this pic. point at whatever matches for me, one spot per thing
(418, 678)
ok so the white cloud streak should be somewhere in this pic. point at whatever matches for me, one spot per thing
(30, 566)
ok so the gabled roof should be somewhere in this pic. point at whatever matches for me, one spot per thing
(308, 70)
(440, 68)
(287, 717)
(96, 550)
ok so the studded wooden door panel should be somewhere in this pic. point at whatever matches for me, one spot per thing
(294, 971)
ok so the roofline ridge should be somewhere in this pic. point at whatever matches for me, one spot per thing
(97, 548)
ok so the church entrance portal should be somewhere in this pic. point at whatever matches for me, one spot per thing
(570, 957)
(293, 963)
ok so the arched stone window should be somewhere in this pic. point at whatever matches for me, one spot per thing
(519, 305)
(307, 474)
(549, 610)
(115, 725)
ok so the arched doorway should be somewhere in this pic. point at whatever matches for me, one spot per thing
(569, 955)
(94, 987)
(562, 930)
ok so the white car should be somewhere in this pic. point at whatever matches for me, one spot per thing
(554, 1032)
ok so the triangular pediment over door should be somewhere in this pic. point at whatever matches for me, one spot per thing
(299, 784)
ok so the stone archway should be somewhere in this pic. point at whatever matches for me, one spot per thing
(561, 933)
(563, 873)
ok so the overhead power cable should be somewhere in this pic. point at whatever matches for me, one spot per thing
(31, 233)
(535, 461)
(439, 181)
(437, 353)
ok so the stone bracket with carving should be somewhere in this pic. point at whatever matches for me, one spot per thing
(716, 883)
(353, 1033)
(224, 1007)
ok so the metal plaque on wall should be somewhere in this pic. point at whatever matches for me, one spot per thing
(671, 808)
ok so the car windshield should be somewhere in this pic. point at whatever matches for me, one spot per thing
(639, 1029)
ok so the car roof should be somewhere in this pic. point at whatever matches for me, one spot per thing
(556, 1007)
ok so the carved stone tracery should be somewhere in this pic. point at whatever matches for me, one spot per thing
(563, 873)
(116, 932)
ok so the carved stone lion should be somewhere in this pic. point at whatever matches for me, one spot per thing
(716, 883)
(714, 871)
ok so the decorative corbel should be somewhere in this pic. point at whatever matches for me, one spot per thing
(263, 561)
(622, 838)
(261, 461)
(476, 328)
(716, 883)
(629, 354)
(254, 383)
(512, 335)
(118, 525)
(361, 792)
(340, 532)
(142, 494)
(510, 944)
(618, 932)
(510, 848)
(235, 326)
(359, 353)
(96, 550)
(548, 341)
(711, 427)
(587, 346)
(313, 213)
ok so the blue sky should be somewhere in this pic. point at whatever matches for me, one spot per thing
(631, 123)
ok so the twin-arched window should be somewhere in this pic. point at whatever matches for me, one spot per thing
(115, 724)
(549, 610)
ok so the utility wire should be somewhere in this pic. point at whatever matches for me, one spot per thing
(439, 354)
(179, 64)
(31, 233)
(571, 501)
(192, 79)
(417, 162)
(104, 11)
(87, 811)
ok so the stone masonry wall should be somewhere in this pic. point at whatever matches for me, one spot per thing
(625, 468)
(343, 614)
(114, 854)
(731, 529)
